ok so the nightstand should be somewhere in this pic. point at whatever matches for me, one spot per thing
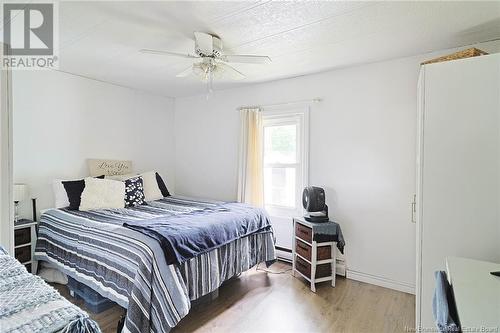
(313, 251)
(25, 234)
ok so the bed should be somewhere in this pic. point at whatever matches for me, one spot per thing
(126, 255)
(28, 304)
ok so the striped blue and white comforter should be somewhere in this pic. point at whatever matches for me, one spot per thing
(129, 267)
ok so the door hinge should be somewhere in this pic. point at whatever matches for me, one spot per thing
(414, 209)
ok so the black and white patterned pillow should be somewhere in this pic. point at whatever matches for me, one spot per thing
(134, 192)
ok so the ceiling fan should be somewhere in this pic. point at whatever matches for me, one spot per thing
(213, 62)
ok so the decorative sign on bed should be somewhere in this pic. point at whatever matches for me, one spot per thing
(109, 167)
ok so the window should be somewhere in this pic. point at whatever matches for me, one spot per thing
(285, 161)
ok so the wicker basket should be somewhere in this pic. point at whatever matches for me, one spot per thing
(472, 52)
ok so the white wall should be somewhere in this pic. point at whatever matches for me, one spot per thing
(60, 120)
(362, 150)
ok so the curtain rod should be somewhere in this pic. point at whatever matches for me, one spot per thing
(302, 101)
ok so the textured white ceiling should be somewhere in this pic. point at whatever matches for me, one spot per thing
(101, 39)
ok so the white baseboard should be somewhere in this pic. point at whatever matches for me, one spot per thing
(359, 276)
(381, 281)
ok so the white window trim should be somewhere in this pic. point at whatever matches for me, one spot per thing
(303, 113)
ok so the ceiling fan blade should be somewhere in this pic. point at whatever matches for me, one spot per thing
(246, 59)
(229, 71)
(204, 42)
(188, 71)
(168, 53)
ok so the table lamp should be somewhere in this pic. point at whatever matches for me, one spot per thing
(20, 194)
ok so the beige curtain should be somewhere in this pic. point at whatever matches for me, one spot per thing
(250, 179)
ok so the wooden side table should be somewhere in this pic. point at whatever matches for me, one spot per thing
(25, 235)
(314, 261)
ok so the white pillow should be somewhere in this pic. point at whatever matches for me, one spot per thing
(151, 189)
(60, 194)
(102, 193)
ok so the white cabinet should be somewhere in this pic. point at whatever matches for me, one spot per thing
(458, 169)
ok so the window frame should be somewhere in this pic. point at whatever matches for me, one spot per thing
(290, 116)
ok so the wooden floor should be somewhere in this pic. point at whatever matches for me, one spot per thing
(263, 302)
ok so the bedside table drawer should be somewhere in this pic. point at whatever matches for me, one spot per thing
(324, 252)
(23, 254)
(303, 232)
(304, 267)
(303, 249)
(22, 236)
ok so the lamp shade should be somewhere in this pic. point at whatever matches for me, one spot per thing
(20, 192)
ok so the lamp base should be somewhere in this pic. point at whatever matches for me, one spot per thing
(16, 211)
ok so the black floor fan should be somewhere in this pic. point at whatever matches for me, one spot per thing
(313, 200)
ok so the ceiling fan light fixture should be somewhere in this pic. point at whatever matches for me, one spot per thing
(214, 64)
(204, 69)
(199, 71)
